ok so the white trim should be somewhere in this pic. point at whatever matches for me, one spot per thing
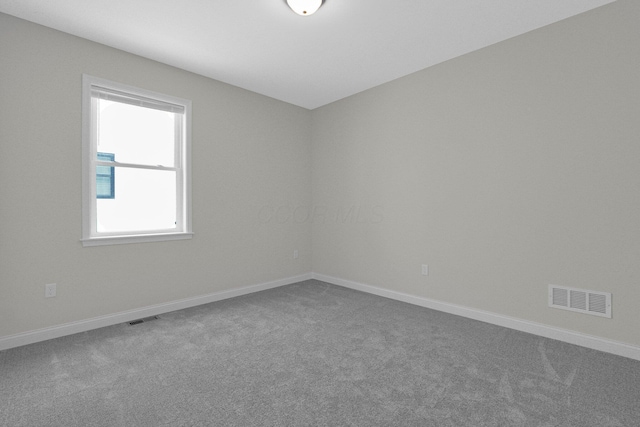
(139, 238)
(571, 337)
(44, 334)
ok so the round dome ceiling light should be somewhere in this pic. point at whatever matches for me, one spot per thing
(304, 7)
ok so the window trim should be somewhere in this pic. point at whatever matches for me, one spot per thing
(90, 237)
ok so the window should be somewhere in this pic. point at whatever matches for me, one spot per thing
(105, 178)
(143, 139)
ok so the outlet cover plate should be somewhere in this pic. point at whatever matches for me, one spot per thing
(50, 290)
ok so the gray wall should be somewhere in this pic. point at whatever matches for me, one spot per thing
(249, 151)
(505, 170)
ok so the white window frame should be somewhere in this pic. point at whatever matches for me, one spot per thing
(90, 235)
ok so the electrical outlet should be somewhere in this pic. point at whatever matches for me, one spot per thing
(295, 254)
(50, 290)
(425, 270)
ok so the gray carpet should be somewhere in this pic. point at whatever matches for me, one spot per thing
(314, 354)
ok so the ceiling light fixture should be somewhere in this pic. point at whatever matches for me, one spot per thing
(304, 7)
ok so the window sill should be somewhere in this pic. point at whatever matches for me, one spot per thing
(140, 238)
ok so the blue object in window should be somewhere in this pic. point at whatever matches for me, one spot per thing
(106, 178)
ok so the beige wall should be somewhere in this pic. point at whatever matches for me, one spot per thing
(505, 170)
(249, 151)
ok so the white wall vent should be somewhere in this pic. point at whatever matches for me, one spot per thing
(580, 300)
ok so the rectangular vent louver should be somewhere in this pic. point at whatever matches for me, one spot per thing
(146, 319)
(580, 300)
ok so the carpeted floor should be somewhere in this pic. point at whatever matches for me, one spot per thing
(314, 354)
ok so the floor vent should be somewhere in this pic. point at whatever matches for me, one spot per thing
(580, 300)
(146, 319)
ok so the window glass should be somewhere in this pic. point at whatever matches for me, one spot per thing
(105, 178)
(146, 201)
(136, 134)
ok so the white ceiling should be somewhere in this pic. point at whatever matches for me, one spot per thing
(346, 47)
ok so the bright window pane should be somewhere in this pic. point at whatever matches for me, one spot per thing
(136, 134)
(146, 200)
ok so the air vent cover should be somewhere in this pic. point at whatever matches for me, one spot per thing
(580, 300)
(146, 319)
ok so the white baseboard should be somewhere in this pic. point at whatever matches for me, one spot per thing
(31, 337)
(589, 341)
(571, 337)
